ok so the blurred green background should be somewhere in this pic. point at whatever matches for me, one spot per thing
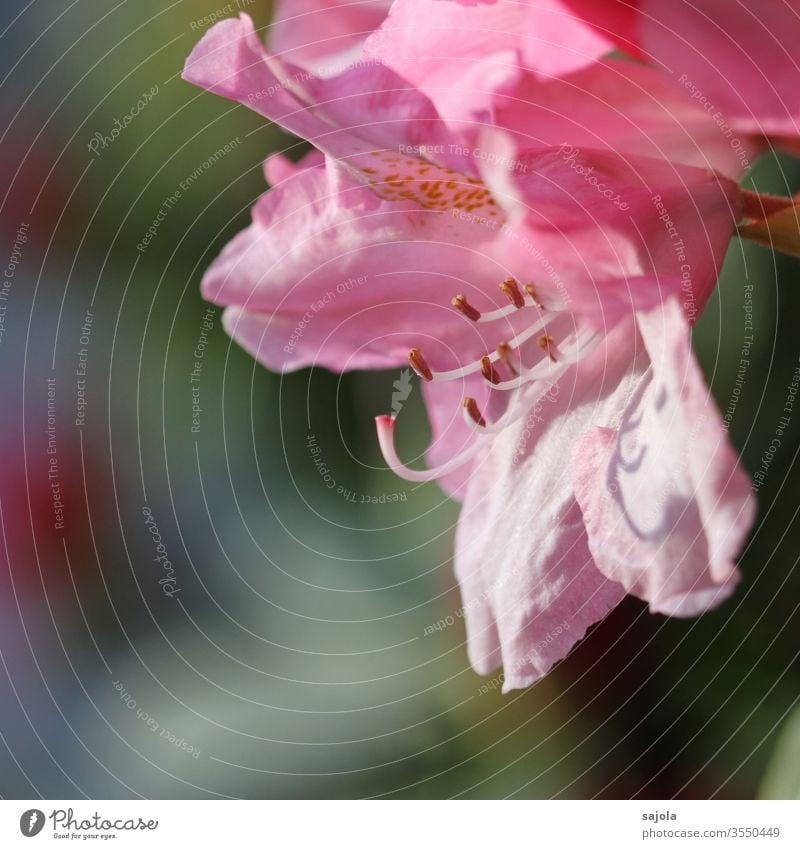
(290, 659)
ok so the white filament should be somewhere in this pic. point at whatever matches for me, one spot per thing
(585, 343)
(503, 312)
(494, 357)
(385, 426)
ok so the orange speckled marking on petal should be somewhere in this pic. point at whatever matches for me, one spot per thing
(395, 176)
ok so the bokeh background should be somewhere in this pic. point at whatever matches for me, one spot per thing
(286, 649)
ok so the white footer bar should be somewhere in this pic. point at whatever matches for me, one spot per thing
(401, 824)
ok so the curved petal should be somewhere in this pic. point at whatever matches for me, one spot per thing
(611, 234)
(741, 59)
(278, 167)
(471, 61)
(457, 55)
(529, 584)
(330, 274)
(348, 115)
(566, 41)
(623, 108)
(560, 36)
(323, 36)
(665, 502)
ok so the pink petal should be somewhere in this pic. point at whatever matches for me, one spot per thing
(323, 35)
(328, 274)
(458, 56)
(740, 58)
(665, 502)
(529, 584)
(278, 167)
(610, 235)
(482, 71)
(560, 36)
(348, 115)
(562, 44)
(623, 108)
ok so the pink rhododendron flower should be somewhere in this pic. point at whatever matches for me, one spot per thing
(544, 285)
(739, 59)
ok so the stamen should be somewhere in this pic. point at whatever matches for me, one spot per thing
(462, 305)
(581, 346)
(504, 312)
(419, 364)
(546, 344)
(511, 288)
(506, 354)
(530, 289)
(516, 342)
(489, 372)
(525, 386)
(473, 411)
(519, 406)
(385, 426)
